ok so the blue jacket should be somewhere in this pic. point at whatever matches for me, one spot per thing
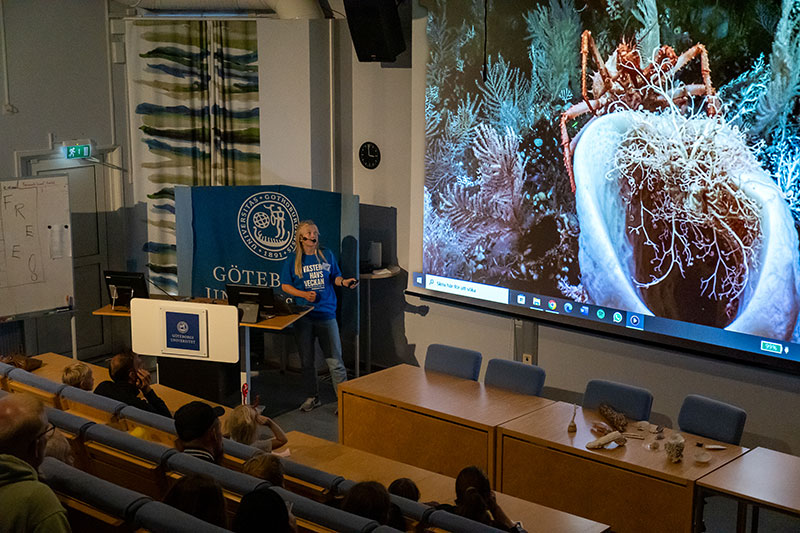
(318, 277)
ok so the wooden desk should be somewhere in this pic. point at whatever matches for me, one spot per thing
(53, 366)
(630, 487)
(358, 465)
(761, 477)
(434, 421)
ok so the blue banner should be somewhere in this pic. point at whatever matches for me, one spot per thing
(183, 331)
(243, 234)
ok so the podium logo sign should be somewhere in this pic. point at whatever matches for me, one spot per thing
(183, 331)
(266, 223)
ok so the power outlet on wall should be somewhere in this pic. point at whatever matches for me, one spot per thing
(527, 359)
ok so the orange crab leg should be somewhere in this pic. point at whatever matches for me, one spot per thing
(566, 143)
(705, 71)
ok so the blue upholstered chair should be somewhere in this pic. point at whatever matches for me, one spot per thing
(157, 516)
(515, 376)
(459, 362)
(712, 419)
(453, 522)
(325, 515)
(111, 499)
(235, 482)
(47, 391)
(5, 369)
(634, 402)
(68, 422)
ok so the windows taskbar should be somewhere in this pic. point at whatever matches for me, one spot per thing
(614, 317)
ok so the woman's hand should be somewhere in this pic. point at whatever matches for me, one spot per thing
(310, 295)
(350, 283)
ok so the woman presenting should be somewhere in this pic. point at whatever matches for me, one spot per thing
(311, 275)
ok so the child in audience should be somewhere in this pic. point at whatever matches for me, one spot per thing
(265, 466)
(475, 500)
(199, 496)
(58, 447)
(405, 488)
(243, 423)
(371, 500)
(264, 511)
(78, 375)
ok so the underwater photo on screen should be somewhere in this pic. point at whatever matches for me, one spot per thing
(642, 155)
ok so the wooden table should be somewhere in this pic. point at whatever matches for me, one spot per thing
(53, 366)
(762, 478)
(434, 421)
(358, 465)
(630, 487)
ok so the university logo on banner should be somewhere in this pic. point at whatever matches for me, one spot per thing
(266, 223)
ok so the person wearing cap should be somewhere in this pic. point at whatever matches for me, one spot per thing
(199, 431)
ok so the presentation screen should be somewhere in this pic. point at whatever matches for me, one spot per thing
(626, 166)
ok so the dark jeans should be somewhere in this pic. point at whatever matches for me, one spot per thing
(306, 330)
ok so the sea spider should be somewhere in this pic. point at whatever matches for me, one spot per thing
(621, 82)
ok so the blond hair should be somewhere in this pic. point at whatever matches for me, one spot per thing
(59, 448)
(265, 466)
(298, 247)
(76, 374)
(241, 424)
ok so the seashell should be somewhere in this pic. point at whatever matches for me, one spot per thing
(771, 299)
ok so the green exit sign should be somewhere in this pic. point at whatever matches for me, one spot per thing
(79, 151)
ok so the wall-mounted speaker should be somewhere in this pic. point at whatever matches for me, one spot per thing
(375, 29)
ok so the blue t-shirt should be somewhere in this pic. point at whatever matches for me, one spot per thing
(318, 277)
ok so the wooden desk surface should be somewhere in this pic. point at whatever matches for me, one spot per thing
(762, 476)
(358, 465)
(53, 366)
(548, 427)
(460, 400)
(276, 323)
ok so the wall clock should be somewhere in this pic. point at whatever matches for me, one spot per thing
(369, 155)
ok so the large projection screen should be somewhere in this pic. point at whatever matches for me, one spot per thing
(630, 167)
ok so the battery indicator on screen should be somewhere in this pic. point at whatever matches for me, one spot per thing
(771, 347)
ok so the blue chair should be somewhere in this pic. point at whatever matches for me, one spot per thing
(452, 522)
(110, 499)
(712, 419)
(459, 362)
(515, 376)
(634, 402)
(47, 391)
(235, 482)
(325, 515)
(72, 424)
(157, 516)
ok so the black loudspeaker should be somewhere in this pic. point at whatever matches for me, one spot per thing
(375, 29)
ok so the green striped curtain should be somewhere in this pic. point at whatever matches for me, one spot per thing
(193, 96)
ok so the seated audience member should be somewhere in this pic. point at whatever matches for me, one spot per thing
(78, 375)
(199, 431)
(128, 378)
(371, 500)
(27, 503)
(243, 424)
(264, 511)
(265, 466)
(199, 496)
(58, 447)
(475, 500)
(405, 488)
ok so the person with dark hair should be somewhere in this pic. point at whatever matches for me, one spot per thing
(405, 488)
(265, 466)
(371, 500)
(264, 511)
(128, 378)
(475, 500)
(310, 276)
(199, 496)
(199, 431)
(27, 503)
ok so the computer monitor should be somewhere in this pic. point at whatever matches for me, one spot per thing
(253, 301)
(124, 286)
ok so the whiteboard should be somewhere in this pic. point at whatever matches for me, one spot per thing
(35, 247)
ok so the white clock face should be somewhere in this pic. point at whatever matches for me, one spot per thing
(369, 155)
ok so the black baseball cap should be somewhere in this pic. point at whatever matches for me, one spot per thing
(194, 419)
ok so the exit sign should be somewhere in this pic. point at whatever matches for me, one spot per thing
(78, 151)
